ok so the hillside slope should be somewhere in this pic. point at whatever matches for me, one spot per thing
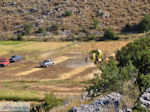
(45, 13)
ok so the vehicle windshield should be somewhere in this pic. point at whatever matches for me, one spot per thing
(2, 61)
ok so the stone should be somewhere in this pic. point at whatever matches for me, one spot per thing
(145, 98)
(101, 104)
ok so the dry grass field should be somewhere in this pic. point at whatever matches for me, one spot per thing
(65, 78)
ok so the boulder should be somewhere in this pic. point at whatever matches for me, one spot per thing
(145, 98)
(111, 100)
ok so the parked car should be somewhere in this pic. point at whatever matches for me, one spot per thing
(15, 58)
(46, 63)
(4, 62)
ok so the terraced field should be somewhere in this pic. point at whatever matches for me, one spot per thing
(66, 77)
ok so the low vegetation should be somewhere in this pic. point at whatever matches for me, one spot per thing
(110, 35)
(131, 65)
(20, 95)
(49, 102)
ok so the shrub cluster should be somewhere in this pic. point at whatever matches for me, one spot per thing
(112, 78)
(142, 26)
(50, 101)
(110, 35)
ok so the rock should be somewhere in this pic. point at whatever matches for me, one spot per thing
(106, 15)
(145, 98)
(100, 105)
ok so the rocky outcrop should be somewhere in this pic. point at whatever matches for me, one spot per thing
(145, 98)
(110, 101)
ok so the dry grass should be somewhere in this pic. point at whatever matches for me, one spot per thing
(73, 102)
(107, 46)
(31, 47)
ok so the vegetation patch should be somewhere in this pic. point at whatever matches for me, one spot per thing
(20, 95)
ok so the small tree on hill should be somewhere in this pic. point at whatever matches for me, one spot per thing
(144, 25)
(110, 35)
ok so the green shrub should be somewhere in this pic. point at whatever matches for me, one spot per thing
(138, 52)
(27, 29)
(144, 82)
(41, 30)
(110, 35)
(127, 28)
(139, 108)
(68, 13)
(144, 25)
(51, 101)
(19, 38)
(112, 78)
(95, 24)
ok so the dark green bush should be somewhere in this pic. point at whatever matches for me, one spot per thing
(68, 13)
(27, 29)
(41, 30)
(110, 35)
(138, 52)
(19, 38)
(127, 28)
(51, 101)
(144, 82)
(144, 25)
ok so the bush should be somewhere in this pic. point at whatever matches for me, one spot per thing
(95, 24)
(68, 13)
(110, 35)
(51, 101)
(144, 82)
(41, 30)
(112, 78)
(127, 28)
(139, 108)
(54, 27)
(138, 52)
(144, 25)
(27, 29)
(19, 38)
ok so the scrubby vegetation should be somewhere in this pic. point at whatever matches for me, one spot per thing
(110, 35)
(132, 64)
(50, 101)
(112, 78)
(141, 27)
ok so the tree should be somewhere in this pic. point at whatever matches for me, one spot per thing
(127, 28)
(138, 52)
(112, 78)
(144, 25)
(110, 35)
(27, 29)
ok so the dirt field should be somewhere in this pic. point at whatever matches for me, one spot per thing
(65, 77)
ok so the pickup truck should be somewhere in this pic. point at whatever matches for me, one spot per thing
(46, 63)
(15, 58)
(4, 62)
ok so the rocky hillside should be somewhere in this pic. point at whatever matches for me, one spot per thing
(70, 16)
